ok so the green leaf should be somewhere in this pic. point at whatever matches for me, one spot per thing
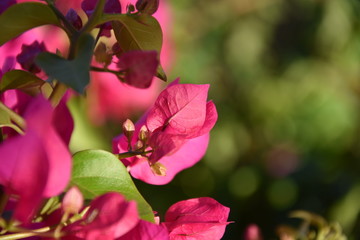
(142, 32)
(74, 73)
(96, 172)
(23, 16)
(19, 79)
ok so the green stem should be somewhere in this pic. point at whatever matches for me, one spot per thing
(3, 200)
(16, 118)
(94, 17)
(25, 234)
(60, 88)
(56, 95)
(97, 69)
(131, 154)
(69, 28)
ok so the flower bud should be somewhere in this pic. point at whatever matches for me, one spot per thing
(128, 128)
(143, 134)
(147, 6)
(101, 54)
(28, 54)
(73, 201)
(138, 145)
(158, 169)
(74, 19)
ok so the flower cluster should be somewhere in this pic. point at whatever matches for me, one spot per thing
(47, 192)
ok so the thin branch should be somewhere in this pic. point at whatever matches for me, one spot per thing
(16, 118)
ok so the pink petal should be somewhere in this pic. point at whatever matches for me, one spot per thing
(139, 66)
(73, 201)
(180, 110)
(210, 119)
(63, 122)
(198, 218)
(23, 172)
(146, 231)
(163, 144)
(39, 117)
(110, 216)
(189, 154)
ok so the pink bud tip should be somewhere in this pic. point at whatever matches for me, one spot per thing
(73, 201)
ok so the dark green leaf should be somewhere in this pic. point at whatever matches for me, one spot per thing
(22, 17)
(18, 79)
(74, 73)
(141, 32)
(96, 172)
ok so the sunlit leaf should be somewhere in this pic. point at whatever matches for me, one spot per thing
(96, 172)
(19, 79)
(74, 73)
(142, 32)
(24, 16)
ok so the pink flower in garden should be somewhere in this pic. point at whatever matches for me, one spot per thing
(104, 100)
(74, 19)
(28, 54)
(110, 216)
(173, 146)
(36, 165)
(182, 110)
(139, 66)
(146, 231)
(198, 218)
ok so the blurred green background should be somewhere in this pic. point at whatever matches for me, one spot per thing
(285, 77)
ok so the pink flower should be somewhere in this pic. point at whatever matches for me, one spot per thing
(36, 165)
(146, 231)
(197, 219)
(173, 147)
(182, 110)
(110, 216)
(28, 54)
(104, 99)
(139, 66)
(74, 19)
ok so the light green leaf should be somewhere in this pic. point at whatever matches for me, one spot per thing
(74, 73)
(23, 16)
(142, 32)
(96, 172)
(19, 79)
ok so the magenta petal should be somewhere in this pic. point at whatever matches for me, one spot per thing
(23, 172)
(60, 162)
(189, 154)
(146, 231)
(139, 66)
(110, 216)
(63, 122)
(39, 117)
(179, 109)
(163, 144)
(198, 231)
(198, 218)
(210, 119)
